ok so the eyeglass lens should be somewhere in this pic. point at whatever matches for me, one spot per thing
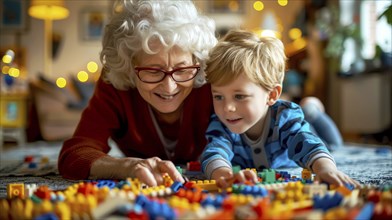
(152, 75)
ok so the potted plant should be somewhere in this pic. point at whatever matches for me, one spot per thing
(385, 57)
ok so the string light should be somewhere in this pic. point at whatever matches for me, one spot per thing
(14, 72)
(82, 76)
(61, 82)
(7, 59)
(258, 5)
(295, 33)
(5, 69)
(283, 2)
(92, 67)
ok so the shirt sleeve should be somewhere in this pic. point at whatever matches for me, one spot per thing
(219, 150)
(304, 146)
(318, 155)
(90, 141)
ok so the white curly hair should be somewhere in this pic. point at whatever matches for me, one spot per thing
(135, 24)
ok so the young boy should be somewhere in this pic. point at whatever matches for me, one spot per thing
(252, 128)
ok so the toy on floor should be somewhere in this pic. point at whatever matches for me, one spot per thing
(32, 165)
(278, 195)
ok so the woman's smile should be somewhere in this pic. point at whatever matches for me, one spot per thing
(167, 97)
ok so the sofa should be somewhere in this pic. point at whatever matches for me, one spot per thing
(55, 112)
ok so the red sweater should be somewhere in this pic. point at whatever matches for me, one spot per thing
(124, 116)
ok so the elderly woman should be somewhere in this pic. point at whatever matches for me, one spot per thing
(151, 99)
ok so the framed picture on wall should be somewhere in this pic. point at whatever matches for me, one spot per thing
(13, 15)
(93, 23)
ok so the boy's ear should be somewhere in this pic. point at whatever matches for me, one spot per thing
(274, 94)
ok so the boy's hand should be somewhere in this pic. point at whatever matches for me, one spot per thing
(224, 177)
(326, 171)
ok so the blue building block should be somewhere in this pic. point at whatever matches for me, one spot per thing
(207, 201)
(157, 210)
(327, 201)
(284, 174)
(351, 187)
(176, 186)
(216, 202)
(141, 200)
(366, 212)
(47, 216)
(32, 165)
(254, 191)
(108, 183)
(123, 183)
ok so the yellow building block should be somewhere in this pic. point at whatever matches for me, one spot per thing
(15, 190)
(306, 174)
(209, 185)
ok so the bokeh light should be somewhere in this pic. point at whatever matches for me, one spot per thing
(300, 43)
(92, 67)
(295, 33)
(269, 33)
(5, 69)
(61, 82)
(14, 72)
(7, 59)
(82, 76)
(233, 6)
(283, 2)
(258, 5)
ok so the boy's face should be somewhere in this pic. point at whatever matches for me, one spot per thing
(241, 105)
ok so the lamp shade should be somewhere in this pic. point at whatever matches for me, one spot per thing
(269, 25)
(48, 9)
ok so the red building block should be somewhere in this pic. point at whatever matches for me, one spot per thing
(43, 192)
(193, 166)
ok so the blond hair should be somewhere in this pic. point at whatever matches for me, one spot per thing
(262, 59)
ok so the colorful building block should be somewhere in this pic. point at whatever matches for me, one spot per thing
(193, 166)
(268, 175)
(306, 174)
(286, 198)
(16, 190)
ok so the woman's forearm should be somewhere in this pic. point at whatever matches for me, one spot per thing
(108, 167)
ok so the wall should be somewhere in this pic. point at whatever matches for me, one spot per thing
(74, 53)
(252, 19)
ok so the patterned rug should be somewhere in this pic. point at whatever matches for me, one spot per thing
(368, 164)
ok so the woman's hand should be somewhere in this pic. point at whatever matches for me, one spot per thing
(326, 171)
(149, 171)
(224, 177)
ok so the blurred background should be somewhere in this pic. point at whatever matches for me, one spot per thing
(339, 51)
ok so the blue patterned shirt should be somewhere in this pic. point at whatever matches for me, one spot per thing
(286, 141)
